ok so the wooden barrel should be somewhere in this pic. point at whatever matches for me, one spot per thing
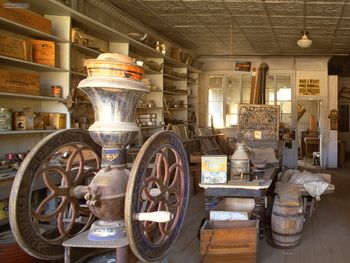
(286, 224)
(10, 251)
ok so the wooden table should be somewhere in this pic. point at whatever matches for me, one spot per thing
(214, 192)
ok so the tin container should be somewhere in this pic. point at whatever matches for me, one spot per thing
(239, 161)
(5, 119)
(56, 91)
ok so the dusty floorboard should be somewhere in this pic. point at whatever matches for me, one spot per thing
(325, 239)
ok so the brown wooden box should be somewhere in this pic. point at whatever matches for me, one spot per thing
(45, 52)
(25, 17)
(15, 47)
(238, 237)
(15, 81)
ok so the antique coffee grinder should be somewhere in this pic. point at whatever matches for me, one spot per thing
(73, 176)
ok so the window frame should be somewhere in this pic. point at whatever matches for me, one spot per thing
(225, 77)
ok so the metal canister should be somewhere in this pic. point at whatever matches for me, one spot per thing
(5, 119)
(56, 91)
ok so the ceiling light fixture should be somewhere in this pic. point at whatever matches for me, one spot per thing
(304, 41)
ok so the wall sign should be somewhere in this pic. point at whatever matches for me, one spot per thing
(242, 66)
(307, 87)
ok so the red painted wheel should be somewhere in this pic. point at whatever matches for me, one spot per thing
(159, 181)
(44, 211)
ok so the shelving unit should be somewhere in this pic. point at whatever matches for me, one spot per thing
(49, 76)
(63, 19)
(28, 65)
(27, 132)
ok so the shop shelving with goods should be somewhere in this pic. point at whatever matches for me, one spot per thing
(192, 102)
(63, 20)
(14, 141)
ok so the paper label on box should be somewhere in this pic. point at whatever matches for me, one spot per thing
(214, 169)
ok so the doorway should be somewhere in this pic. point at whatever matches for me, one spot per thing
(308, 126)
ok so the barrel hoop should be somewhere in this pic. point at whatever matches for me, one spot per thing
(283, 215)
(286, 235)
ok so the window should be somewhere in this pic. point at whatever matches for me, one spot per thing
(216, 101)
(226, 92)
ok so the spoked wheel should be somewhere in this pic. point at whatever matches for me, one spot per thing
(45, 208)
(159, 181)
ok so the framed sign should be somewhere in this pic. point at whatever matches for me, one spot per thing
(309, 87)
(311, 84)
(242, 66)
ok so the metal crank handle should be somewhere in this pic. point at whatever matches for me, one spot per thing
(159, 216)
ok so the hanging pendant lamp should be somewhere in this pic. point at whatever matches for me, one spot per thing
(304, 41)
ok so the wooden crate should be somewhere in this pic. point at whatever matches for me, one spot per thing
(239, 258)
(15, 47)
(25, 17)
(45, 52)
(235, 238)
(16, 81)
(233, 209)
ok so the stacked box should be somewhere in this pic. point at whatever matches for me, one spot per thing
(45, 52)
(15, 47)
(15, 81)
(24, 16)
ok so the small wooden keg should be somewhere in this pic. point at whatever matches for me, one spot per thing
(286, 224)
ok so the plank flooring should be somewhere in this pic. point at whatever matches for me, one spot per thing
(325, 238)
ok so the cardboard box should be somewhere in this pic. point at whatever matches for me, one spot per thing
(14, 46)
(46, 53)
(214, 169)
(15, 81)
(25, 17)
(235, 238)
(233, 209)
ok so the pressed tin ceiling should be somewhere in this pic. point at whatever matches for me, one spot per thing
(251, 27)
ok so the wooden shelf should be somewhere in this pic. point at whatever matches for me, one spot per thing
(29, 65)
(31, 97)
(149, 108)
(26, 132)
(12, 26)
(86, 50)
(183, 108)
(174, 93)
(173, 77)
(53, 7)
(152, 127)
(152, 72)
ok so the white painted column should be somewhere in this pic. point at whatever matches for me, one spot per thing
(333, 134)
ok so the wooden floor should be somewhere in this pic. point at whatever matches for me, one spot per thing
(326, 236)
